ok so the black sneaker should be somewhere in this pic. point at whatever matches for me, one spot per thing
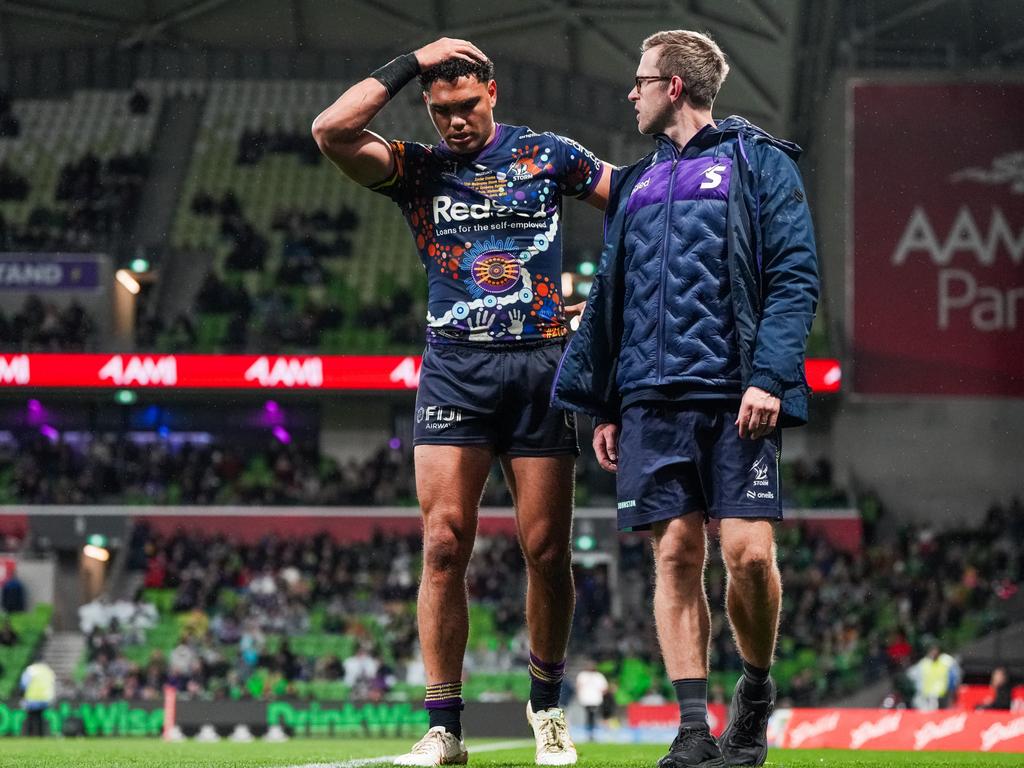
(693, 747)
(745, 738)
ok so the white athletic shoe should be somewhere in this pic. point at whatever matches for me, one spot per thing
(438, 747)
(551, 731)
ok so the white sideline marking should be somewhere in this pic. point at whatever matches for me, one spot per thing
(365, 761)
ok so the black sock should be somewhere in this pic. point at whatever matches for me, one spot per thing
(449, 717)
(755, 681)
(444, 705)
(545, 682)
(692, 695)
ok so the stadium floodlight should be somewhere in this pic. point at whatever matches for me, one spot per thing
(96, 553)
(139, 265)
(567, 283)
(586, 268)
(124, 277)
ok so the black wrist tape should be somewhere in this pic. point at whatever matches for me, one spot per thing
(396, 73)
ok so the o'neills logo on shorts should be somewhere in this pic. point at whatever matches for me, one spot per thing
(438, 416)
(759, 469)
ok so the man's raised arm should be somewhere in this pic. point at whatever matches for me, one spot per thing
(340, 130)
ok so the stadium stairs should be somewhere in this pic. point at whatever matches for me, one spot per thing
(1003, 648)
(176, 133)
(62, 652)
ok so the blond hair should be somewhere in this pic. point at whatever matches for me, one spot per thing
(694, 57)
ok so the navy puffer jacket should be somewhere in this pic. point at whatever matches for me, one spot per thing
(678, 339)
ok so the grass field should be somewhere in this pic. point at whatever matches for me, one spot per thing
(322, 753)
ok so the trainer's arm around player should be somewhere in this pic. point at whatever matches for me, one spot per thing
(340, 130)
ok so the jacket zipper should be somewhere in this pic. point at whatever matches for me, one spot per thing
(664, 265)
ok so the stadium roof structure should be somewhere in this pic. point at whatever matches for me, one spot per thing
(782, 52)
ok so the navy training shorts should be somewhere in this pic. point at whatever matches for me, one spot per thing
(499, 396)
(680, 458)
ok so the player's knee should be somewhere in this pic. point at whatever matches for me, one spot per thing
(680, 558)
(547, 558)
(445, 551)
(750, 560)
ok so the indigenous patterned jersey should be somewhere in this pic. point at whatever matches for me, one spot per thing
(488, 230)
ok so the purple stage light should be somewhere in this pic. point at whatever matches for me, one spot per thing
(271, 415)
(36, 412)
(395, 443)
(49, 433)
(282, 435)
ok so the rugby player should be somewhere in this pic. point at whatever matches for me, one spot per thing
(484, 207)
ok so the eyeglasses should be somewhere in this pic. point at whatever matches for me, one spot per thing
(640, 80)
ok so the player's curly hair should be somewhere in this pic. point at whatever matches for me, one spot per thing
(452, 69)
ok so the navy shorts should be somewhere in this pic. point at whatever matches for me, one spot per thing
(675, 459)
(499, 397)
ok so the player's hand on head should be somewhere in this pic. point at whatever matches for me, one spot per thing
(448, 48)
(759, 414)
(606, 446)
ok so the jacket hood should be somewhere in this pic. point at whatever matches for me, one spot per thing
(736, 126)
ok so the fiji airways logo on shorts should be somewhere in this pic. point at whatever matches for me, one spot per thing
(438, 416)
(760, 471)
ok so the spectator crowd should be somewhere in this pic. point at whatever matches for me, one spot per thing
(44, 327)
(109, 468)
(848, 618)
(94, 205)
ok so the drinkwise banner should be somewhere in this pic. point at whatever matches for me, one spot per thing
(937, 240)
(867, 729)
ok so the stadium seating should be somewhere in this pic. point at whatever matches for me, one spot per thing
(382, 259)
(55, 132)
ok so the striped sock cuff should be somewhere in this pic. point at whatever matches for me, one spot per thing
(546, 671)
(444, 695)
